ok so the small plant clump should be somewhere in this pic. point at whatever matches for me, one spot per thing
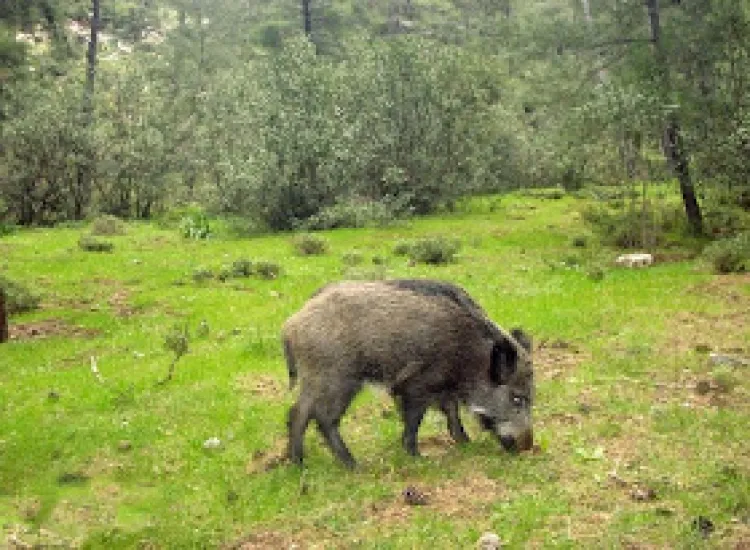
(107, 225)
(267, 270)
(242, 268)
(580, 241)
(730, 255)
(352, 258)
(433, 250)
(194, 224)
(18, 298)
(310, 245)
(89, 243)
(202, 274)
(401, 248)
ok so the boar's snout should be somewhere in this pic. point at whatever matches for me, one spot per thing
(523, 442)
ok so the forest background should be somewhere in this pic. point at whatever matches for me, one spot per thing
(327, 113)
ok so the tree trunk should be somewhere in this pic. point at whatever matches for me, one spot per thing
(84, 171)
(306, 17)
(674, 147)
(3, 318)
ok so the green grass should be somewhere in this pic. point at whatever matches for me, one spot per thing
(120, 463)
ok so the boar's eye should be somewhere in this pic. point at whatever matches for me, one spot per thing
(519, 401)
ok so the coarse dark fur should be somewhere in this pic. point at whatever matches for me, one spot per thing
(427, 341)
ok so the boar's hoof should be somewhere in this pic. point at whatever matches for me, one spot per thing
(508, 443)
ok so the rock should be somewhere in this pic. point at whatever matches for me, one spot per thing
(702, 387)
(414, 497)
(202, 330)
(728, 360)
(635, 260)
(643, 494)
(212, 443)
(489, 541)
(704, 526)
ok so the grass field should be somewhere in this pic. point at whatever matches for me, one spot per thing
(644, 440)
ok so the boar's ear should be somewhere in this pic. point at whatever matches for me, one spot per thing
(502, 362)
(522, 338)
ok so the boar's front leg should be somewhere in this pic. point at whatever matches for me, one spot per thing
(449, 406)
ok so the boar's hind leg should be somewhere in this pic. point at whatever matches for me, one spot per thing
(450, 410)
(328, 413)
(299, 418)
(412, 413)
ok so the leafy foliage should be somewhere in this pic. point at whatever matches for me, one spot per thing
(107, 225)
(309, 245)
(89, 243)
(18, 298)
(429, 250)
(730, 255)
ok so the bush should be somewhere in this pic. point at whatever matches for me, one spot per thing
(107, 225)
(580, 241)
(433, 250)
(353, 257)
(267, 270)
(730, 255)
(202, 275)
(310, 245)
(401, 248)
(632, 227)
(89, 243)
(242, 268)
(352, 213)
(725, 221)
(194, 224)
(18, 298)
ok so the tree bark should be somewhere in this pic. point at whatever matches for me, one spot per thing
(3, 318)
(306, 17)
(675, 151)
(85, 166)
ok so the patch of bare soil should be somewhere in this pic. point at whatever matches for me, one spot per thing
(48, 328)
(464, 498)
(720, 332)
(555, 358)
(19, 536)
(435, 445)
(266, 539)
(264, 460)
(119, 302)
(261, 385)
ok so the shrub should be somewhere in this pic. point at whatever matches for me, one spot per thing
(242, 268)
(202, 275)
(353, 257)
(194, 224)
(107, 225)
(18, 298)
(731, 255)
(631, 228)
(89, 243)
(725, 221)
(267, 270)
(310, 245)
(580, 241)
(433, 250)
(351, 213)
(402, 248)
(6, 228)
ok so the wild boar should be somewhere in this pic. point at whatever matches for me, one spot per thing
(426, 341)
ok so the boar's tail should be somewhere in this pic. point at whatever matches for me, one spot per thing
(291, 364)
